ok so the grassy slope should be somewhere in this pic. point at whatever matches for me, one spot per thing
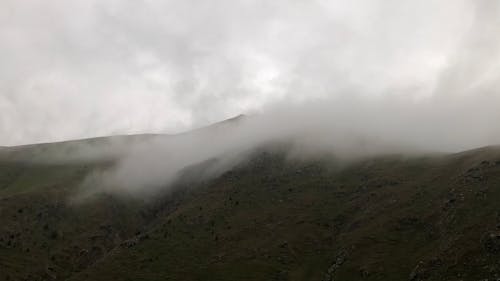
(389, 218)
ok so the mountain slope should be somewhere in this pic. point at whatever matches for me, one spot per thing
(433, 217)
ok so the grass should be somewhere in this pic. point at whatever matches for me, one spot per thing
(270, 219)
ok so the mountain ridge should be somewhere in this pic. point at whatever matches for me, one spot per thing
(271, 217)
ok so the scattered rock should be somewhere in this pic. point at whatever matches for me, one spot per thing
(143, 237)
(418, 272)
(341, 257)
(473, 175)
(284, 244)
(423, 270)
(129, 243)
(485, 163)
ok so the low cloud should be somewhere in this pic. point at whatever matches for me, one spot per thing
(344, 128)
(352, 79)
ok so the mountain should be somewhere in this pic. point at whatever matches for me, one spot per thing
(270, 217)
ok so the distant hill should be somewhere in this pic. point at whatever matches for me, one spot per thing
(393, 217)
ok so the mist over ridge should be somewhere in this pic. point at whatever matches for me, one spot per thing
(347, 128)
(328, 77)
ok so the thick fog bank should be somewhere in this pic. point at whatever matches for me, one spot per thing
(345, 128)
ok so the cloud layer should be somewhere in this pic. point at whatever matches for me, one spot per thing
(90, 68)
(346, 128)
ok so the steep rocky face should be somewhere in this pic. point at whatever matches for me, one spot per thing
(384, 218)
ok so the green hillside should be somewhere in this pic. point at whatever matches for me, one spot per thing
(432, 217)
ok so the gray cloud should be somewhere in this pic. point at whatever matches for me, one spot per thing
(347, 128)
(351, 78)
(89, 68)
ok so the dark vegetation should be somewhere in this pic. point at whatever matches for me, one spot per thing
(384, 218)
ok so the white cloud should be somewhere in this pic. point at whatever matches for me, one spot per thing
(86, 68)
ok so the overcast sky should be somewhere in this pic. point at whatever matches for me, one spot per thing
(84, 68)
